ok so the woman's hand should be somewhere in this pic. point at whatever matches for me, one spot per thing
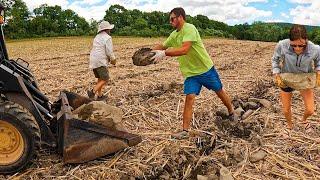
(113, 62)
(318, 78)
(278, 81)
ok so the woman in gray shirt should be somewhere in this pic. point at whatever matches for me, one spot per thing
(296, 55)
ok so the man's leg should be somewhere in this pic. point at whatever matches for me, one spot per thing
(98, 88)
(308, 99)
(224, 97)
(285, 98)
(211, 80)
(187, 113)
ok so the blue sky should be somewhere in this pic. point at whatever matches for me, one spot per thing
(228, 11)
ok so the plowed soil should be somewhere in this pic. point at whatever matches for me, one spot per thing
(152, 100)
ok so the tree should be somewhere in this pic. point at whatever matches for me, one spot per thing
(17, 20)
(117, 15)
(53, 21)
(140, 23)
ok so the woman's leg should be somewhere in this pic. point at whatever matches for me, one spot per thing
(285, 98)
(308, 99)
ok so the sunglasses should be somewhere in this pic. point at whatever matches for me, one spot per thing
(300, 46)
(172, 19)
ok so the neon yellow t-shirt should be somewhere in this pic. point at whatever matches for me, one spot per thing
(197, 61)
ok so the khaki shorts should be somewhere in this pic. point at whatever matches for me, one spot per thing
(101, 73)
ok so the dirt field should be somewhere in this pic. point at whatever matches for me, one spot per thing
(152, 100)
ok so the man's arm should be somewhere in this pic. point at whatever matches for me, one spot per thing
(159, 47)
(109, 51)
(160, 54)
(183, 50)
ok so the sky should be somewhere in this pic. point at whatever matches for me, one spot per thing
(231, 12)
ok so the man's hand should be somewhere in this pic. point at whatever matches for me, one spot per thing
(278, 81)
(318, 79)
(159, 55)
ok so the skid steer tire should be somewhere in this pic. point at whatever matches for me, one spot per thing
(19, 138)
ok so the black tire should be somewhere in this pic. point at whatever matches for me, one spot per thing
(21, 121)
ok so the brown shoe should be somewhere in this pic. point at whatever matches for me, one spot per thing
(90, 94)
(101, 98)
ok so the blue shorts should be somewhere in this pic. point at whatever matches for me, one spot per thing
(209, 79)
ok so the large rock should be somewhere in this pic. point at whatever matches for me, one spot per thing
(142, 57)
(225, 174)
(101, 113)
(250, 105)
(247, 114)
(200, 177)
(239, 111)
(257, 156)
(222, 112)
(264, 102)
(299, 81)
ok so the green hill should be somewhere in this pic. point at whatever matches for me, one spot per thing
(288, 25)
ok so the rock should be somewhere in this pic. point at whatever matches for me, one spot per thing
(200, 177)
(101, 113)
(225, 174)
(250, 105)
(213, 177)
(222, 112)
(237, 155)
(165, 177)
(143, 57)
(257, 156)
(264, 102)
(238, 112)
(247, 114)
(237, 103)
(166, 87)
(257, 140)
(256, 100)
(126, 177)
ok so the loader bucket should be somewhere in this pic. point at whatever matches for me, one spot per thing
(80, 141)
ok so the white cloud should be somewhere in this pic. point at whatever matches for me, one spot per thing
(228, 11)
(307, 14)
(285, 15)
(274, 20)
(303, 1)
(34, 4)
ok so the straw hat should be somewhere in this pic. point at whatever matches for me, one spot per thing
(105, 25)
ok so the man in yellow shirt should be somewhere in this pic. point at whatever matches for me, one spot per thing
(195, 64)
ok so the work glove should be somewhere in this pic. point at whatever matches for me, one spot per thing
(318, 79)
(159, 55)
(278, 81)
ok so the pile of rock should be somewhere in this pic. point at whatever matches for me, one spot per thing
(240, 125)
(243, 110)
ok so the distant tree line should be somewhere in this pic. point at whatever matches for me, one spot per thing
(46, 21)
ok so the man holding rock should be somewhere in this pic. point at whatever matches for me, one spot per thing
(195, 64)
